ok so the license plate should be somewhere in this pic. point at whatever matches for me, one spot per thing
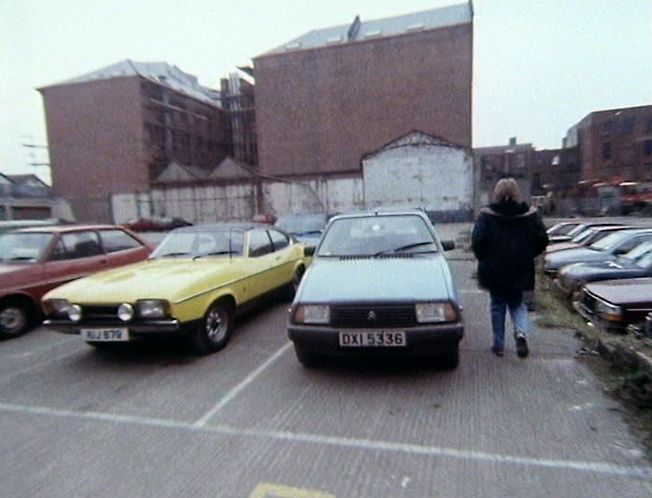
(380, 339)
(105, 335)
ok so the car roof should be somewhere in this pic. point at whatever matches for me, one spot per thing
(67, 228)
(382, 212)
(241, 226)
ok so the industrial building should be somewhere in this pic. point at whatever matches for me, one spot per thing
(329, 97)
(117, 129)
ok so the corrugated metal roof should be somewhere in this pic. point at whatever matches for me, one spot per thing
(158, 72)
(417, 21)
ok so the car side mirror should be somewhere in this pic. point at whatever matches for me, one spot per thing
(308, 250)
(448, 245)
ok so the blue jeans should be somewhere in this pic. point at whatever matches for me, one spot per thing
(518, 312)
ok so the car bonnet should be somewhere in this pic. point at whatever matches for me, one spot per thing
(377, 279)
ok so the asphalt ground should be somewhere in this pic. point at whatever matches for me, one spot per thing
(249, 421)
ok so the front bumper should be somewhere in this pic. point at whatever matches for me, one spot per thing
(150, 328)
(597, 320)
(421, 340)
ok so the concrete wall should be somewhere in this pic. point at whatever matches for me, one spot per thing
(437, 177)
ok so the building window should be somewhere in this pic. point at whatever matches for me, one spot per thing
(606, 150)
(647, 148)
(648, 125)
(608, 127)
(628, 125)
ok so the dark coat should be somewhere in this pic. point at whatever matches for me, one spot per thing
(506, 238)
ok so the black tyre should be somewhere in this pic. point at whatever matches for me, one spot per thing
(450, 359)
(15, 319)
(307, 358)
(215, 329)
(291, 288)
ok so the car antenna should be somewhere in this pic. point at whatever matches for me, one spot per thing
(230, 242)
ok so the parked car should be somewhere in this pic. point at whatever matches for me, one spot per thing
(35, 260)
(267, 218)
(634, 264)
(306, 228)
(156, 224)
(586, 238)
(577, 230)
(616, 304)
(379, 284)
(6, 226)
(193, 285)
(562, 228)
(607, 249)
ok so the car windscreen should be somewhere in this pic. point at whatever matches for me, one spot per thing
(192, 244)
(577, 230)
(610, 241)
(302, 225)
(638, 251)
(377, 234)
(23, 247)
(562, 229)
(582, 236)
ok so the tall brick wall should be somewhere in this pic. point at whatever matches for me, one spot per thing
(95, 138)
(321, 110)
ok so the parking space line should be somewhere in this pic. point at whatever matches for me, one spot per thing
(224, 400)
(342, 442)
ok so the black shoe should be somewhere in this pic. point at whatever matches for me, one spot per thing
(521, 346)
(497, 351)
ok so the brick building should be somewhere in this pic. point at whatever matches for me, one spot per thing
(331, 96)
(614, 145)
(115, 129)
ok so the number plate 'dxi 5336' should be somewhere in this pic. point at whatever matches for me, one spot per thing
(365, 339)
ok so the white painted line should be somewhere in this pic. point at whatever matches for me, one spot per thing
(224, 400)
(358, 444)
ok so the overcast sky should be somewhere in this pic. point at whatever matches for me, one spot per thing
(539, 65)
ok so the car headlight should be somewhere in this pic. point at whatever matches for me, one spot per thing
(152, 308)
(74, 312)
(57, 307)
(435, 312)
(313, 313)
(125, 312)
(609, 312)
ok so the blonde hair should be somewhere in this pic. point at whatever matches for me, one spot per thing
(507, 189)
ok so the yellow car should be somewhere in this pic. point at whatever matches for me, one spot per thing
(194, 284)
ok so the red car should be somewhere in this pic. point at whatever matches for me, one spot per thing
(35, 260)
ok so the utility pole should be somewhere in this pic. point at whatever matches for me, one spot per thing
(33, 160)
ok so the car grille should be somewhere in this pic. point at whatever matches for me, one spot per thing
(588, 302)
(99, 313)
(373, 316)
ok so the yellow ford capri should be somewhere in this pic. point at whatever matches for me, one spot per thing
(194, 284)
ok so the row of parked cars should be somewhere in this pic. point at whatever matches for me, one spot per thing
(364, 283)
(604, 269)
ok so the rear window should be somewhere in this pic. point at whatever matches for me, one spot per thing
(117, 240)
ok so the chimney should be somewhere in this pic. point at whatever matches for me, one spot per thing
(512, 141)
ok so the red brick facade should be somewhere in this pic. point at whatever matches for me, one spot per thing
(116, 135)
(320, 110)
(616, 144)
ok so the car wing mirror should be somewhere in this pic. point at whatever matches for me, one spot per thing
(308, 250)
(448, 245)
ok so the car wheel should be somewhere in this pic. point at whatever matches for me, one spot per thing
(215, 329)
(291, 288)
(450, 359)
(306, 358)
(14, 319)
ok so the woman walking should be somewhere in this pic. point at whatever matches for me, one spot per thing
(506, 238)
